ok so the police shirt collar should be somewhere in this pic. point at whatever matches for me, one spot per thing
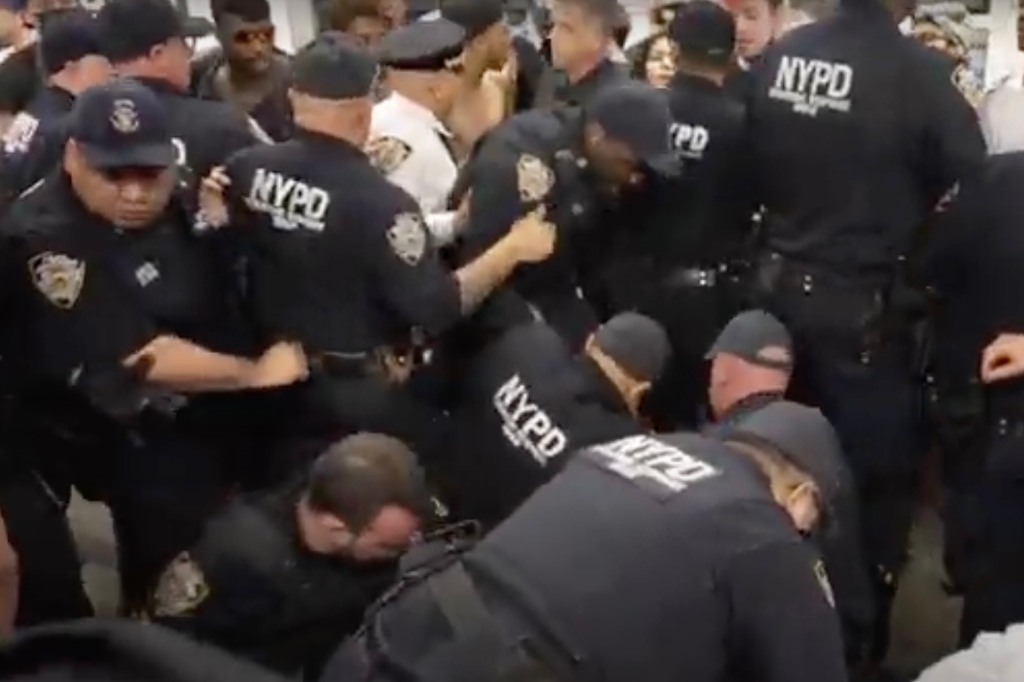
(744, 406)
(160, 86)
(418, 111)
(320, 140)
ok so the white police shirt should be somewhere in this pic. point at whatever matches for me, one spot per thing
(407, 144)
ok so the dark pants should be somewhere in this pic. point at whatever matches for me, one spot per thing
(50, 584)
(166, 487)
(994, 588)
(866, 387)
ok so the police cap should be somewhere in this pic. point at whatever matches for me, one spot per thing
(67, 37)
(703, 29)
(636, 343)
(131, 28)
(434, 45)
(334, 66)
(122, 124)
(757, 337)
(637, 115)
(121, 651)
(805, 437)
(474, 16)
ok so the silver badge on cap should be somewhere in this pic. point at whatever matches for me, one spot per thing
(124, 118)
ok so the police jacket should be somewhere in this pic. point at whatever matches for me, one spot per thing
(249, 586)
(656, 559)
(34, 142)
(340, 258)
(739, 411)
(857, 133)
(534, 160)
(524, 405)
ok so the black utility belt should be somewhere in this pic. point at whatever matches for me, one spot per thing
(776, 271)
(378, 362)
(697, 278)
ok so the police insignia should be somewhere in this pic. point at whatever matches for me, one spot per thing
(408, 237)
(534, 178)
(19, 133)
(387, 153)
(124, 118)
(58, 277)
(826, 585)
(181, 589)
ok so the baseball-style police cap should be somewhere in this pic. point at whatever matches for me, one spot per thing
(67, 37)
(474, 16)
(757, 337)
(805, 437)
(119, 651)
(638, 344)
(131, 28)
(334, 67)
(434, 45)
(637, 114)
(122, 124)
(703, 29)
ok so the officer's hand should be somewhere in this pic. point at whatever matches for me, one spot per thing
(281, 365)
(534, 237)
(1003, 358)
(212, 206)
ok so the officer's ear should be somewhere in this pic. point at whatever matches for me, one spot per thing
(72, 157)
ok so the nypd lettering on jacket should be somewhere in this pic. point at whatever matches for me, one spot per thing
(525, 425)
(290, 203)
(652, 464)
(690, 141)
(813, 84)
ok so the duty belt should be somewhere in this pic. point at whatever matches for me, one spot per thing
(694, 277)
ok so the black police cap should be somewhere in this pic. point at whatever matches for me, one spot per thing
(433, 45)
(474, 16)
(67, 37)
(131, 28)
(333, 66)
(703, 29)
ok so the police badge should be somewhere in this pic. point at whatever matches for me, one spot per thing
(124, 118)
(387, 153)
(533, 178)
(181, 589)
(57, 277)
(408, 237)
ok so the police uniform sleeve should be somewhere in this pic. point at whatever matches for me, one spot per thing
(80, 316)
(784, 626)
(407, 269)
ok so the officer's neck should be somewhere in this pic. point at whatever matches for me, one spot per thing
(578, 72)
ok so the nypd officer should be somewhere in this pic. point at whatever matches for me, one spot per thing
(113, 285)
(526, 402)
(409, 143)
(701, 221)
(857, 134)
(341, 262)
(717, 582)
(564, 163)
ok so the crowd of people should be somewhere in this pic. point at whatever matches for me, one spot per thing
(433, 352)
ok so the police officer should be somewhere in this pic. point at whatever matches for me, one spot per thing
(281, 578)
(113, 283)
(72, 61)
(564, 163)
(145, 40)
(341, 262)
(409, 143)
(715, 554)
(751, 365)
(526, 402)
(700, 221)
(847, 174)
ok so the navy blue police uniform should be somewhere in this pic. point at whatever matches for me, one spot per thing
(93, 296)
(699, 223)
(846, 178)
(713, 560)
(527, 402)
(537, 161)
(973, 264)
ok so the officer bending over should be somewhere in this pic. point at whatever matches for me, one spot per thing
(112, 283)
(341, 261)
(564, 163)
(525, 404)
(751, 364)
(282, 577)
(717, 583)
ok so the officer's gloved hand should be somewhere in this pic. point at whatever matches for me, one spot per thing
(121, 393)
